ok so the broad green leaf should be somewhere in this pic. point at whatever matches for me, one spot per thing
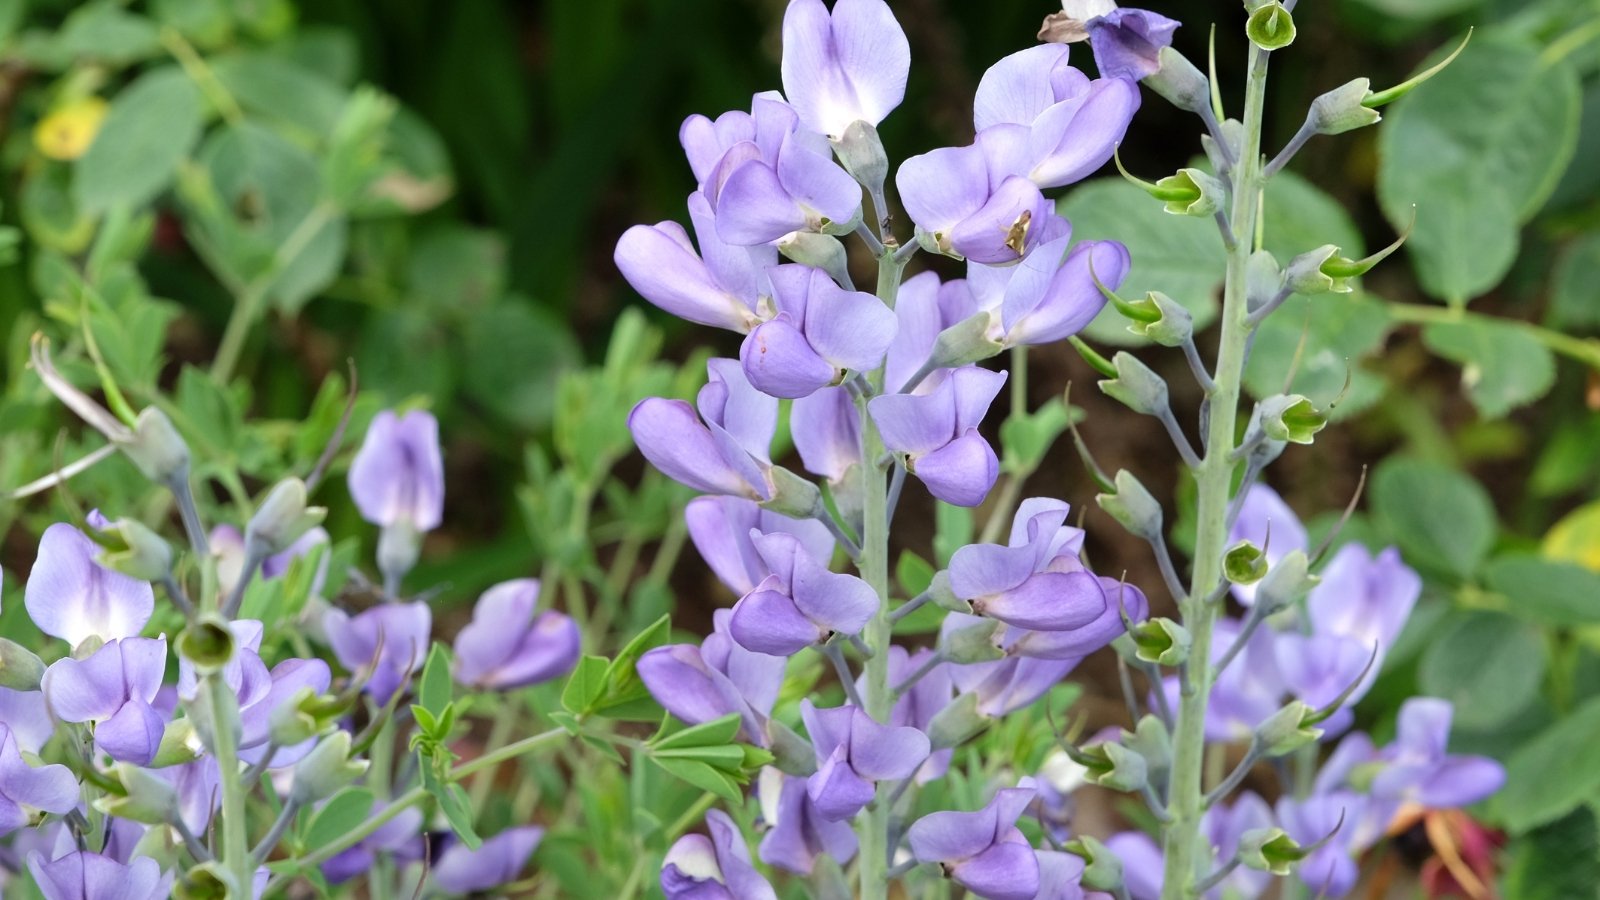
(516, 329)
(1421, 10)
(1557, 861)
(913, 573)
(203, 22)
(49, 212)
(1502, 366)
(339, 816)
(953, 530)
(1475, 177)
(1338, 331)
(587, 684)
(1549, 592)
(1486, 663)
(454, 267)
(1299, 216)
(1574, 294)
(702, 776)
(1441, 519)
(106, 32)
(717, 732)
(1576, 538)
(280, 89)
(435, 689)
(1553, 773)
(153, 124)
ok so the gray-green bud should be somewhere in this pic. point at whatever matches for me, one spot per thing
(1343, 109)
(1244, 563)
(792, 495)
(791, 753)
(944, 596)
(957, 723)
(1291, 417)
(1133, 507)
(20, 669)
(1287, 581)
(1304, 273)
(156, 448)
(1269, 850)
(180, 743)
(1287, 730)
(972, 643)
(1161, 641)
(1173, 326)
(965, 342)
(146, 797)
(1192, 192)
(1136, 386)
(326, 769)
(207, 644)
(1114, 766)
(143, 554)
(820, 251)
(861, 152)
(1180, 82)
(282, 518)
(1102, 868)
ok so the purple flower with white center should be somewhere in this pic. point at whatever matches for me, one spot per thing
(508, 645)
(72, 597)
(982, 851)
(1418, 768)
(917, 706)
(801, 603)
(854, 752)
(720, 528)
(398, 836)
(797, 832)
(924, 308)
(113, 688)
(397, 477)
(704, 683)
(1127, 42)
(727, 453)
(820, 333)
(1268, 522)
(718, 286)
(803, 189)
(386, 643)
(1038, 116)
(499, 861)
(938, 433)
(25, 788)
(1048, 298)
(1037, 580)
(843, 66)
(1120, 598)
(1330, 870)
(827, 433)
(714, 867)
(82, 875)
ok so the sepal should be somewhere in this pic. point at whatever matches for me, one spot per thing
(1132, 506)
(1102, 869)
(1270, 26)
(1161, 641)
(1291, 417)
(1136, 386)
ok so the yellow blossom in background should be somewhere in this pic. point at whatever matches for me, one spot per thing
(67, 132)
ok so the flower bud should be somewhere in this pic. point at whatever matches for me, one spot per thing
(146, 797)
(326, 769)
(1192, 192)
(861, 153)
(1151, 740)
(1180, 82)
(1285, 582)
(142, 553)
(1232, 131)
(965, 342)
(1304, 275)
(957, 723)
(207, 881)
(1112, 765)
(1161, 641)
(1269, 850)
(1343, 109)
(1270, 27)
(793, 496)
(399, 545)
(819, 251)
(20, 669)
(156, 448)
(1173, 325)
(1287, 730)
(293, 721)
(282, 518)
(1244, 563)
(1102, 869)
(1132, 507)
(1262, 280)
(1136, 386)
(1291, 417)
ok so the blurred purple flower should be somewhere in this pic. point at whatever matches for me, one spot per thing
(714, 867)
(728, 453)
(386, 643)
(498, 861)
(398, 836)
(1418, 768)
(72, 597)
(845, 66)
(801, 603)
(113, 688)
(1331, 869)
(854, 752)
(938, 433)
(82, 875)
(982, 851)
(798, 833)
(397, 477)
(704, 683)
(509, 645)
(28, 717)
(1268, 522)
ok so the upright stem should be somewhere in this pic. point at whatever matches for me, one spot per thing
(873, 824)
(237, 860)
(1186, 846)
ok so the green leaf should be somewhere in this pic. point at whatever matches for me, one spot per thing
(1553, 773)
(435, 689)
(1441, 519)
(1549, 592)
(1474, 178)
(339, 816)
(106, 32)
(625, 691)
(152, 126)
(587, 684)
(1025, 439)
(913, 572)
(1502, 366)
(717, 732)
(1486, 663)
(1558, 861)
(1574, 302)
(702, 776)
(523, 394)
(282, 90)
(953, 530)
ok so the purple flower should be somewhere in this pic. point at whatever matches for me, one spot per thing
(845, 66)
(1127, 42)
(1418, 768)
(83, 875)
(1223, 827)
(1366, 599)
(28, 717)
(917, 706)
(399, 836)
(387, 643)
(963, 206)
(720, 528)
(1076, 643)
(1048, 298)
(1142, 863)
(1039, 117)
(726, 454)
(704, 683)
(717, 867)
(827, 433)
(820, 333)
(1009, 684)
(24, 788)
(938, 433)
(798, 833)
(801, 603)
(72, 597)
(286, 680)
(499, 861)
(982, 851)
(1037, 580)
(1331, 869)
(802, 189)
(507, 645)
(924, 308)
(854, 752)
(1059, 875)
(113, 688)
(1268, 522)
(397, 477)
(719, 286)
(198, 784)
(1318, 668)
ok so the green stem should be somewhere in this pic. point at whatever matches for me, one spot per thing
(1584, 350)
(503, 727)
(1011, 488)
(247, 306)
(224, 709)
(872, 825)
(1186, 844)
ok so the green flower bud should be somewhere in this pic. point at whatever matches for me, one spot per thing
(180, 743)
(156, 448)
(820, 251)
(207, 644)
(20, 669)
(965, 342)
(861, 152)
(957, 723)
(1102, 869)
(282, 518)
(136, 551)
(1269, 850)
(1161, 641)
(972, 643)
(1343, 109)
(207, 881)
(792, 495)
(1195, 193)
(1112, 765)
(1285, 582)
(1173, 325)
(1291, 417)
(326, 769)
(1180, 82)
(791, 752)
(1270, 27)
(1304, 273)
(1287, 730)
(1151, 740)
(146, 797)
(1136, 386)
(1132, 506)
(1244, 563)
(943, 596)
